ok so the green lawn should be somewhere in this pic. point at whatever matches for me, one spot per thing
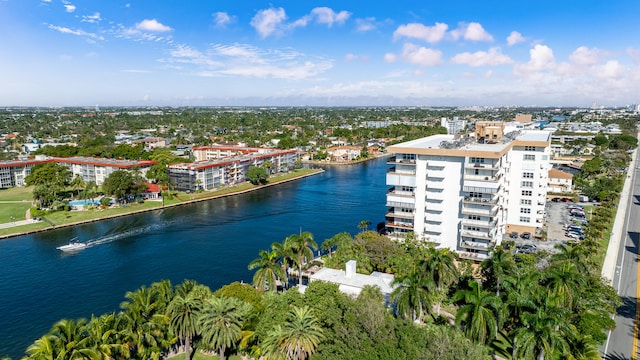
(17, 193)
(13, 211)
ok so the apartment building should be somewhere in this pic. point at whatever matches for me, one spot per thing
(12, 173)
(226, 166)
(466, 193)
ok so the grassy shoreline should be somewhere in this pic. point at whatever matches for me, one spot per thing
(68, 219)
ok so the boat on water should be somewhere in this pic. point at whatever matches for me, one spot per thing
(73, 245)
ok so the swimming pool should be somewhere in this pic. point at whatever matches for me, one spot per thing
(84, 202)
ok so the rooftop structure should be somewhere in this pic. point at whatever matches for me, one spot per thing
(351, 283)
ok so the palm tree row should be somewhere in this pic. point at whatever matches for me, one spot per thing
(272, 266)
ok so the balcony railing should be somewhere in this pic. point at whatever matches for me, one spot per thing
(473, 256)
(396, 160)
(486, 211)
(470, 165)
(474, 177)
(395, 192)
(400, 204)
(485, 235)
(399, 225)
(399, 214)
(477, 245)
(393, 170)
(483, 223)
(478, 200)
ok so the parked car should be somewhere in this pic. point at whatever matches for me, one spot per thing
(526, 249)
(575, 235)
(578, 214)
(580, 220)
(514, 235)
(526, 235)
(556, 199)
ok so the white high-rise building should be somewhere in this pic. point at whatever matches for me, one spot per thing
(466, 193)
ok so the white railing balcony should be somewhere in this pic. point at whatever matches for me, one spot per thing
(492, 178)
(399, 225)
(473, 256)
(467, 244)
(397, 160)
(434, 195)
(492, 166)
(485, 235)
(482, 211)
(395, 171)
(400, 193)
(400, 204)
(482, 223)
(399, 214)
(481, 200)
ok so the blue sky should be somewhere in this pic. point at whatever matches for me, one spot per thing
(219, 52)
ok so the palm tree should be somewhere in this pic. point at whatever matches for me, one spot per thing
(577, 254)
(543, 334)
(300, 247)
(363, 225)
(441, 268)
(77, 184)
(220, 323)
(269, 270)
(480, 316)
(184, 312)
(337, 240)
(44, 348)
(71, 340)
(411, 296)
(497, 267)
(105, 337)
(564, 282)
(285, 257)
(300, 335)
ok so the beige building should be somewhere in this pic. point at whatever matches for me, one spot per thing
(560, 181)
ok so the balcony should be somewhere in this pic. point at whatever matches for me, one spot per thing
(477, 245)
(490, 166)
(473, 256)
(396, 160)
(479, 200)
(400, 204)
(482, 211)
(399, 214)
(434, 195)
(399, 225)
(482, 223)
(400, 193)
(396, 171)
(484, 235)
(474, 177)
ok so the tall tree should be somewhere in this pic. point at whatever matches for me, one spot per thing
(184, 312)
(269, 270)
(301, 247)
(412, 295)
(441, 268)
(497, 268)
(480, 314)
(300, 335)
(220, 323)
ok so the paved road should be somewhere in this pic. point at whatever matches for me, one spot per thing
(622, 342)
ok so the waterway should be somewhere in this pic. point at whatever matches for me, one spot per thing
(210, 242)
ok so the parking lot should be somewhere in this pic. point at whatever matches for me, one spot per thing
(558, 217)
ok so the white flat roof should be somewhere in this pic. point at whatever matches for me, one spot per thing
(357, 281)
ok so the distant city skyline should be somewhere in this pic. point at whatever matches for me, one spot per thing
(331, 53)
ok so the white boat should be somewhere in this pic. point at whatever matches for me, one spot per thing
(73, 245)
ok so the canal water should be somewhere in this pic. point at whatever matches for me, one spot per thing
(210, 242)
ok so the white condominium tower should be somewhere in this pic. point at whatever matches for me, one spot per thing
(467, 193)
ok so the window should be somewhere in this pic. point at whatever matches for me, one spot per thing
(525, 211)
(529, 157)
(525, 201)
(525, 219)
(529, 148)
(526, 192)
(474, 217)
(527, 184)
(527, 175)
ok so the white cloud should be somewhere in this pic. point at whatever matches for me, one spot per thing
(366, 24)
(268, 21)
(354, 57)
(390, 57)
(583, 56)
(482, 58)
(514, 38)
(249, 61)
(152, 25)
(611, 70)
(91, 18)
(420, 55)
(91, 37)
(222, 19)
(635, 54)
(541, 61)
(471, 31)
(325, 15)
(47, 1)
(430, 34)
(69, 8)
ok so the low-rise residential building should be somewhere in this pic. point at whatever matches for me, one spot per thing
(351, 283)
(227, 166)
(560, 181)
(344, 153)
(12, 173)
(466, 193)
